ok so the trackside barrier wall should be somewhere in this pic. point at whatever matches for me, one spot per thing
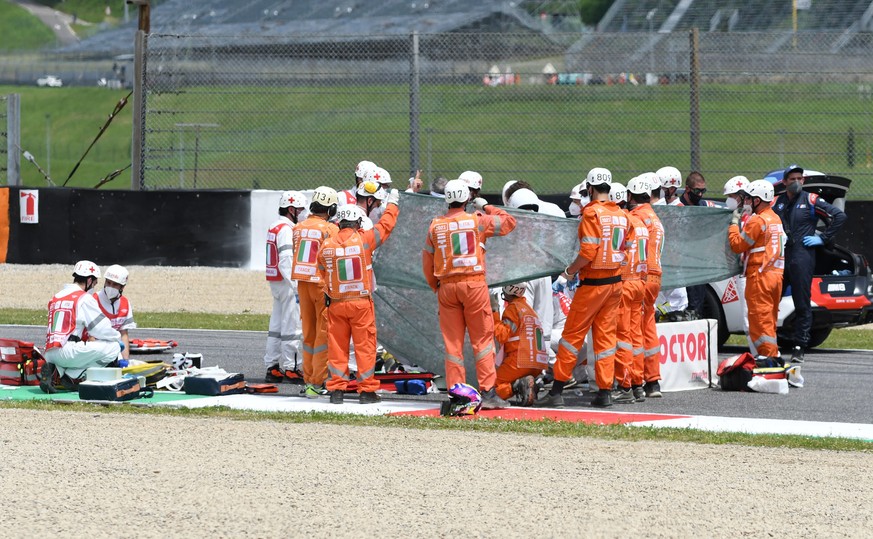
(168, 228)
(196, 228)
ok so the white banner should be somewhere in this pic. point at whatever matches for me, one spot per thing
(29, 204)
(689, 354)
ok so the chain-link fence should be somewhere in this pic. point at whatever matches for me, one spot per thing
(4, 141)
(270, 112)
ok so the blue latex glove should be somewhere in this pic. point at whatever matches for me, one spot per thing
(573, 284)
(559, 284)
(812, 241)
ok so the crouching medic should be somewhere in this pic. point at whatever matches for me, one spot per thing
(520, 336)
(79, 336)
(345, 266)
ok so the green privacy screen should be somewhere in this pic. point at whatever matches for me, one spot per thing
(695, 252)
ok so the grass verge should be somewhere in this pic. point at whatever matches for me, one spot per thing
(540, 428)
(840, 339)
(181, 320)
(19, 30)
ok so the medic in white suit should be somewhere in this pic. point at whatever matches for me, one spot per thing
(282, 358)
(78, 336)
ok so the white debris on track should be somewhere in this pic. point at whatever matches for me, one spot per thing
(150, 288)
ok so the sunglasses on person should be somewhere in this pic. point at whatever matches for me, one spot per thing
(698, 190)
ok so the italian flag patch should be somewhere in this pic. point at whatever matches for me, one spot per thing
(349, 269)
(463, 243)
(307, 252)
(59, 323)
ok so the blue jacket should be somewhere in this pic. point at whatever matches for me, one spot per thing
(799, 218)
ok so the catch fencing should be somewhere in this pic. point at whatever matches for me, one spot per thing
(252, 111)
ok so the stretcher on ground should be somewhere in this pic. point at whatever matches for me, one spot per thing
(146, 346)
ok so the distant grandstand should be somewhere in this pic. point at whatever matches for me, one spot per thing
(300, 20)
(735, 15)
(836, 26)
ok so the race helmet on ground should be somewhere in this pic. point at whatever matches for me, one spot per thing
(350, 212)
(363, 167)
(669, 177)
(457, 191)
(292, 199)
(516, 289)
(641, 185)
(523, 197)
(617, 193)
(735, 185)
(761, 189)
(86, 268)
(599, 176)
(472, 179)
(463, 400)
(117, 274)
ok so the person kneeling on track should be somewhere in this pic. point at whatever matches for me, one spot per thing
(520, 336)
(78, 336)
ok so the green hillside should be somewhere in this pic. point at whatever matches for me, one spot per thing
(91, 10)
(75, 115)
(548, 135)
(19, 30)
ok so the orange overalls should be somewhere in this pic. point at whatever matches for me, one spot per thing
(629, 355)
(764, 239)
(453, 262)
(524, 353)
(651, 342)
(602, 232)
(308, 237)
(345, 266)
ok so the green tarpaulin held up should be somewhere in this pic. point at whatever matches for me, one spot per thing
(695, 252)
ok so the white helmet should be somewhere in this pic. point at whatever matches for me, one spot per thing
(506, 187)
(516, 289)
(86, 268)
(761, 189)
(378, 175)
(472, 179)
(617, 193)
(641, 185)
(576, 192)
(117, 274)
(669, 177)
(326, 196)
(456, 191)
(350, 212)
(292, 199)
(599, 176)
(523, 197)
(735, 185)
(363, 167)
(369, 188)
(653, 178)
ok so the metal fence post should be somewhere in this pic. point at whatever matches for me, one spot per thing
(695, 99)
(13, 139)
(413, 104)
(137, 179)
